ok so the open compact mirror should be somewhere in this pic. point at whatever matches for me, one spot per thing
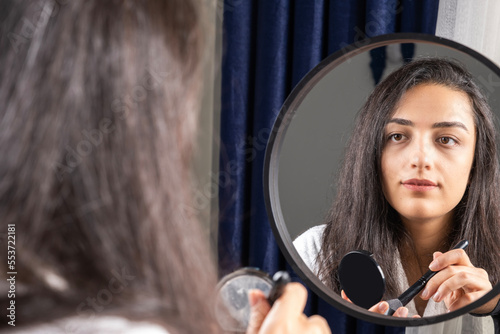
(232, 308)
(361, 278)
(310, 134)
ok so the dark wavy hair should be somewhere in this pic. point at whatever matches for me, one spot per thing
(98, 114)
(361, 217)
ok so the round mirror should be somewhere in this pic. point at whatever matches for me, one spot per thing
(309, 137)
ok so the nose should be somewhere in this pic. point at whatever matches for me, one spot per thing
(421, 156)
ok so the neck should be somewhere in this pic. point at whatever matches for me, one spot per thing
(428, 236)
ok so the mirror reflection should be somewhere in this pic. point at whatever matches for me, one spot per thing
(413, 174)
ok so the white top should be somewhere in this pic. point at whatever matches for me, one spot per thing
(97, 324)
(308, 245)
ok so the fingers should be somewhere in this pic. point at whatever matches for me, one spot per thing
(465, 300)
(452, 257)
(259, 308)
(435, 255)
(318, 324)
(380, 308)
(458, 283)
(293, 300)
(401, 312)
(383, 306)
(459, 280)
(286, 314)
(344, 296)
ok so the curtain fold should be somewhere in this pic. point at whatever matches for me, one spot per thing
(237, 91)
(268, 46)
(271, 88)
(458, 21)
(308, 31)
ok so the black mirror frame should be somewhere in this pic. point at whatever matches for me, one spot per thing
(271, 170)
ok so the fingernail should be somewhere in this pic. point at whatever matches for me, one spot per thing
(436, 297)
(433, 266)
(425, 293)
(383, 306)
(405, 312)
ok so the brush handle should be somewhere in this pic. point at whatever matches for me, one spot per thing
(280, 279)
(415, 289)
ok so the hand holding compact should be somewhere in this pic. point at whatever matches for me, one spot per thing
(382, 308)
(358, 265)
(458, 283)
(286, 315)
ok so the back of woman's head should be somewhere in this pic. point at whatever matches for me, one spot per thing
(98, 113)
(368, 217)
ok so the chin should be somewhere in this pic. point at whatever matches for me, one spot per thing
(422, 215)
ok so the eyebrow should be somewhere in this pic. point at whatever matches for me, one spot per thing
(406, 122)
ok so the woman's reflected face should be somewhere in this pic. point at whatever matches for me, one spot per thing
(428, 152)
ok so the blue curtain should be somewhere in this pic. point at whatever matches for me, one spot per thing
(268, 46)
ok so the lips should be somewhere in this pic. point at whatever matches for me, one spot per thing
(419, 184)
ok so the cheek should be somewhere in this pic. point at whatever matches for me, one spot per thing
(460, 179)
(386, 176)
(467, 167)
(390, 167)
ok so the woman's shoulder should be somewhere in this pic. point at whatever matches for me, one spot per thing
(308, 245)
(313, 234)
(97, 324)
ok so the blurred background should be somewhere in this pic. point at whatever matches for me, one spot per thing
(259, 52)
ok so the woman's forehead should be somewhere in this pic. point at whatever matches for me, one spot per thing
(435, 103)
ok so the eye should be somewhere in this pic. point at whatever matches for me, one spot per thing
(396, 137)
(447, 141)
